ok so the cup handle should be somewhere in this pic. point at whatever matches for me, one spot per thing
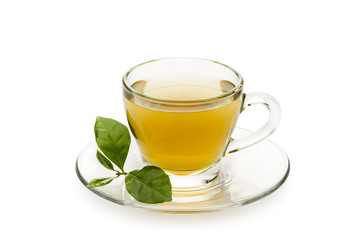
(266, 130)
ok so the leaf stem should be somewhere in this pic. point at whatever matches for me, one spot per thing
(120, 173)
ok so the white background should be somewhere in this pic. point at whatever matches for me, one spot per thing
(61, 64)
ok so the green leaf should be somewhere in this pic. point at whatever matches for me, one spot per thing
(149, 185)
(100, 182)
(104, 161)
(113, 139)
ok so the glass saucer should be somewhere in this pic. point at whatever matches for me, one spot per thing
(245, 176)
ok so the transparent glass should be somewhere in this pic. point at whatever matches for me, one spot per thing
(245, 177)
(182, 112)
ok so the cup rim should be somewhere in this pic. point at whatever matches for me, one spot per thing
(234, 90)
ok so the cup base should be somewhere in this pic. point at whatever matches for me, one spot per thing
(195, 182)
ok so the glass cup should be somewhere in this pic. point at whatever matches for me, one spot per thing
(182, 112)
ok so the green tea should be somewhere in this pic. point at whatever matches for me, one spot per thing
(187, 137)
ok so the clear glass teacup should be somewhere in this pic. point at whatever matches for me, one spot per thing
(182, 112)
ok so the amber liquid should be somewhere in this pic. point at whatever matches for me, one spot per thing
(182, 140)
